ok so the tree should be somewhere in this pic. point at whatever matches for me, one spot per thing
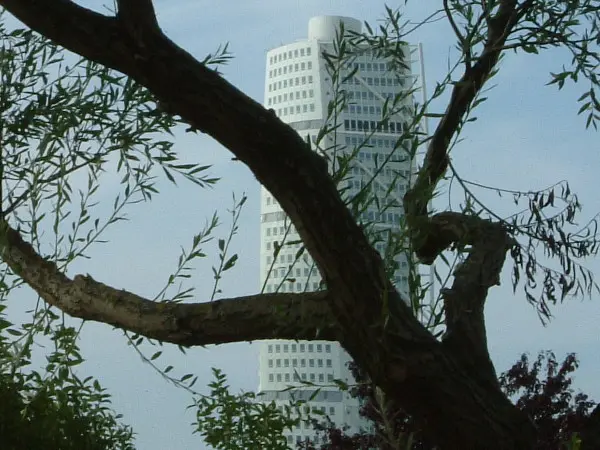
(446, 383)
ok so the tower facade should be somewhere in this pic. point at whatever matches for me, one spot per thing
(299, 88)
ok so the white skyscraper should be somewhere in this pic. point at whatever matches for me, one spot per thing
(298, 88)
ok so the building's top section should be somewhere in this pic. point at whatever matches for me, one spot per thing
(324, 28)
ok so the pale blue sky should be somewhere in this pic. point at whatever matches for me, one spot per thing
(527, 136)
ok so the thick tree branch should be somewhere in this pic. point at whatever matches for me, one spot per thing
(375, 326)
(464, 302)
(138, 18)
(266, 316)
(486, 244)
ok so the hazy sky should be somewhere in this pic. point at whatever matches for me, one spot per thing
(527, 136)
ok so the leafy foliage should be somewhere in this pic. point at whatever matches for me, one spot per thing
(230, 422)
(542, 389)
(53, 409)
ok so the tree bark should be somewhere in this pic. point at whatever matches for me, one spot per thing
(448, 386)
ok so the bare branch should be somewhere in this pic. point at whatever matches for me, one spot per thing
(266, 316)
(464, 44)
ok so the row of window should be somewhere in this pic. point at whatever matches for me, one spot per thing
(298, 348)
(300, 287)
(284, 271)
(299, 109)
(295, 362)
(374, 81)
(358, 109)
(380, 158)
(290, 69)
(310, 93)
(369, 95)
(373, 125)
(371, 142)
(373, 66)
(289, 286)
(375, 187)
(283, 259)
(381, 217)
(295, 376)
(289, 55)
(290, 82)
(384, 172)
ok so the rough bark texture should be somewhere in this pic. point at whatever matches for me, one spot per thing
(449, 386)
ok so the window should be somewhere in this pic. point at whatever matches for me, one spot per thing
(286, 363)
(302, 362)
(301, 347)
(321, 378)
(311, 363)
(312, 377)
(271, 378)
(278, 363)
(293, 348)
(270, 363)
(319, 348)
(309, 65)
(312, 107)
(310, 348)
(311, 93)
(301, 52)
(319, 362)
(308, 51)
(287, 377)
(285, 348)
(310, 79)
(279, 377)
(328, 362)
(330, 377)
(304, 108)
(270, 348)
(294, 362)
(331, 410)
